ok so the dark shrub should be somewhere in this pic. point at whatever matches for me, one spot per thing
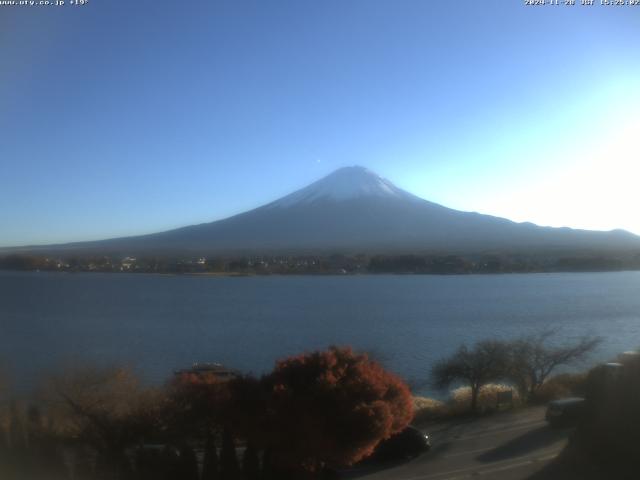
(229, 469)
(250, 463)
(210, 469)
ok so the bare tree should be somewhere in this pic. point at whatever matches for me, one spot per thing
(534, 358)
(485, 362)
(104, 408)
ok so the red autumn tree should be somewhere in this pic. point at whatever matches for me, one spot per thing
(196, 405)
(332, 408)
(202, 404)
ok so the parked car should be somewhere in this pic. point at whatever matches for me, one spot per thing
(565, 412)
(407, 444)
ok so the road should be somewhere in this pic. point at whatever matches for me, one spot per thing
(506, 446)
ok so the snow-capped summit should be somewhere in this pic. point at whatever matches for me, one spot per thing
(344, 184)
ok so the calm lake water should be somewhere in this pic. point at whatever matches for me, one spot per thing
(161, 323)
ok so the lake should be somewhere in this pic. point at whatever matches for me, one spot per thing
(161, 323)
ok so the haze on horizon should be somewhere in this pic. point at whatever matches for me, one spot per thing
(127, 118)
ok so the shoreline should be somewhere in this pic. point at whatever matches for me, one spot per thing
(315, 274)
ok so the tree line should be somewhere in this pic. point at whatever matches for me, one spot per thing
(328, 264)
(312, 414)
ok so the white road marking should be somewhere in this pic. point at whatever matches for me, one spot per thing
(490, 433)
(536, 420)
(468, 452)
(479, 470)
(517, 465)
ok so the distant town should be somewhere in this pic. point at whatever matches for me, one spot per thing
(335, 264)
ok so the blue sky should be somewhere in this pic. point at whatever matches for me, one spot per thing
(122, 117)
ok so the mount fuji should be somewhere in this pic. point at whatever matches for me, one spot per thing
(355, 210)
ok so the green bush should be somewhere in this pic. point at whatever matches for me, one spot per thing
(487, 398)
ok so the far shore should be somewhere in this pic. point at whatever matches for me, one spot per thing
(317, 274)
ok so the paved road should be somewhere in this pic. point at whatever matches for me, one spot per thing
(508, 446)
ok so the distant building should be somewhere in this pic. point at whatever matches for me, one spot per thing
(127, 263)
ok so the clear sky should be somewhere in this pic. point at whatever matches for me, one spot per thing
(125, 117)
